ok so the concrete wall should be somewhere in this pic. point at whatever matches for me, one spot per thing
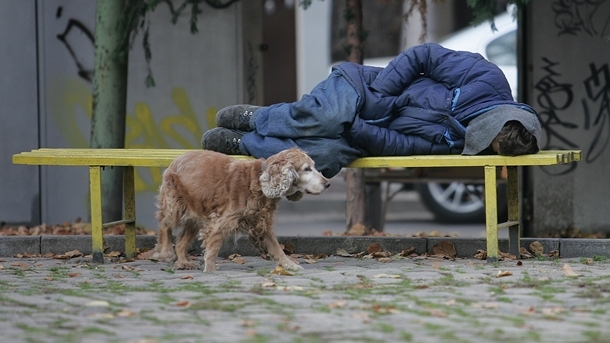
(195, 76)
(18, 110)
(569, 85)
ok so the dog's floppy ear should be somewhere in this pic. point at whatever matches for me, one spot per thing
(278, 177)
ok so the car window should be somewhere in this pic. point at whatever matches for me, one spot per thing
(503, 50)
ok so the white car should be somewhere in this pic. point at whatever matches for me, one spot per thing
(457, 201)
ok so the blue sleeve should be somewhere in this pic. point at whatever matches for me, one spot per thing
(379, 141)
(428, 60)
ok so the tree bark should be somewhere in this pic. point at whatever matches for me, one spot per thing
(109, 98)
(354, 177)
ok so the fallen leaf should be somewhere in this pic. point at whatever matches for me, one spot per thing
(101, 316)
(554, 253)
(73, 253)
(407, 252)
(553, 311)
(279, 270)
(343, 253)
(537, 248)
(74, 274)
(21, 265)
(239, 260)
(435, 233)
(289, 288)
(113, 254)
(568, 271)
(480, 255)
(186, 277)
(357, 230)
(503, 273)
(337, 304)
(385, 259)
(586, 261)
(146, 255)
(268, 284)
(524, 253)
(184, 303)
(374, 248)
(385, 309)
(387, 276)
(247, 323)
(97, 303)
(48, 279)
(507, 256)
(125, 313)
(310, 261)
(487, 305)
(128, 268)
(444, 248)
(437, 313)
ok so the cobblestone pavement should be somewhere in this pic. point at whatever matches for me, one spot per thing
(334, 299)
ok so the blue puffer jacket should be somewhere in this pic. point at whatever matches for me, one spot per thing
(422, 101)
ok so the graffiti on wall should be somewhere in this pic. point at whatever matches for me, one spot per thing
(71, 102)
(583, 16)
(564, 114)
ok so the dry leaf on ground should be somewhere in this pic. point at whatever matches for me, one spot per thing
(502, 273)
(374, 248)
(444, 248)
(537, 248)
(343, 253)
(480, 255)
(279, 270)
(568, 271)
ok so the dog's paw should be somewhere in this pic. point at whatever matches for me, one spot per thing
(186, 265)
(289, 265)
(163, 257)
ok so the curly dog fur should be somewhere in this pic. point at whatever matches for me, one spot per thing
(217, 196)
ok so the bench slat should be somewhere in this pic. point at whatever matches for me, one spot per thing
(163, 157)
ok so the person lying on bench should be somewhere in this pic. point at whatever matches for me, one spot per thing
(428, 100)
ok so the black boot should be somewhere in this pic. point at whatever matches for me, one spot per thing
(222, 140)
(236, 117)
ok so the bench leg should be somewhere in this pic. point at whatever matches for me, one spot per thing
(129, 199)
(97, 236)
(491, 213)
(514, 231)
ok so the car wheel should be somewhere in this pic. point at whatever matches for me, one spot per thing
(458, 202)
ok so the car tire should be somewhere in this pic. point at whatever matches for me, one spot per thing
(458, 202)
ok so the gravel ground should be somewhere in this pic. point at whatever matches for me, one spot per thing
(333, 299)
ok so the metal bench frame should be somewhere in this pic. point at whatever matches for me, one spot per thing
(96, 159)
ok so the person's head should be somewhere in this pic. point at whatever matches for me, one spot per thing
(509, 129)
(514, 140)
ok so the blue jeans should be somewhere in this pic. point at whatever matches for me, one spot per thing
(316, 124)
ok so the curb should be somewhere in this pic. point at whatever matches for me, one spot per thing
(465, 247)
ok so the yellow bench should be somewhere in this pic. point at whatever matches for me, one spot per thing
(95, 159)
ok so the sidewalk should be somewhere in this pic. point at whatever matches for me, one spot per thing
(334, 299)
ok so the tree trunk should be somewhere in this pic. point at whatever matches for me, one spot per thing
(356, 193)
(109, 98)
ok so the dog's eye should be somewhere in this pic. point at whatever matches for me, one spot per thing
(307, 169)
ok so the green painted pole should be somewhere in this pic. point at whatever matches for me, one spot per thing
(109, 98)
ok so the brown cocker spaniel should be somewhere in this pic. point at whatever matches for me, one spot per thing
(218, 196)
